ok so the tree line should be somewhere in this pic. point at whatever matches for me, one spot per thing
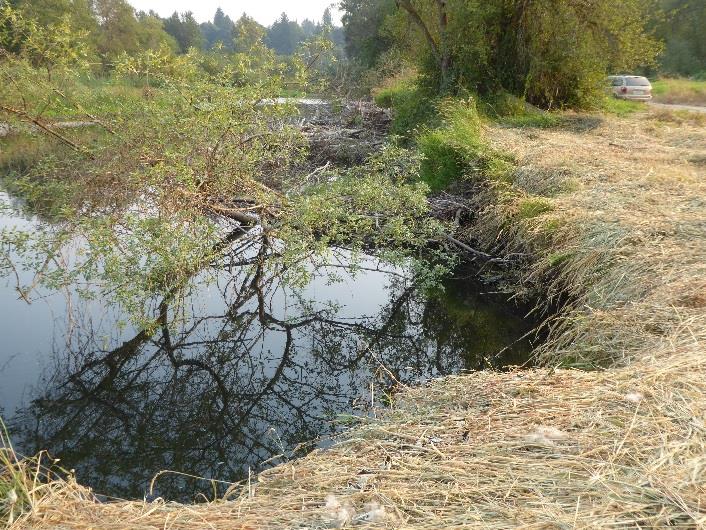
(110, 28)
(551, 52)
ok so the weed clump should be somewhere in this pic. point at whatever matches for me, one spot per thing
(458, 149)
(512, 111)
(530, 207)
(413, 106)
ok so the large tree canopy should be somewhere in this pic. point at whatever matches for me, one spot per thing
(682, 29)
(554, 52)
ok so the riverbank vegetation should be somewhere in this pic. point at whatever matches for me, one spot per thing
(595, 208)
(556, 446)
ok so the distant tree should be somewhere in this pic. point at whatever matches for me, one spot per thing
(247, 34)
(553, 52)
(327, 18)
(119, 28)
(309, 28)
(220, 30)
(284, 35)
(151, 33)
(363, 22)
(79, 14)
(185, 30)
(47, 12)
(50, 46)
(682, 28)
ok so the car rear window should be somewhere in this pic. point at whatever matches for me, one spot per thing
(638, 81)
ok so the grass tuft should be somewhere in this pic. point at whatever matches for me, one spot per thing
(621, 107)
(530, 207)
(511, 111)
(680, 91)
(458, 150)
(414, 106)
(17, 481)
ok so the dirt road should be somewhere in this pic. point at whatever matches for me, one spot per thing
(672, 106)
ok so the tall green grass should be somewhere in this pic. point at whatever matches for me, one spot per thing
(457, 150)
(680, 91)
(507, 109)
(413, 106)
(621, 107)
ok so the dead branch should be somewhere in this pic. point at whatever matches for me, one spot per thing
(46, 128)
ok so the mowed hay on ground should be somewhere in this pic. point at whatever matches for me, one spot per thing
(622, 228)
(625, 231)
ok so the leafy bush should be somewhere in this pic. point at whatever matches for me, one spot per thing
(457, 149)
(413, 106)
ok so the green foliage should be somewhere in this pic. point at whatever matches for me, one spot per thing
(15, 484)
(179, 170)
(684, 91)
(363, 23)
(315, 61)
(621, 107)
(248, 34)
(682, 28)
(380, 205)
(52, 46)
(557, 258)
(284, 35)
(457, 149)
(443, 160)
(185, 30)
(119, 28)
(221, 31)
(530, 207)
(151, 34)
(64, 32)
(513, 111)
(413, 106)
(551, 53)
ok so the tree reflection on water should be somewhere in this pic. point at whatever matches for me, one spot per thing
(250, 371)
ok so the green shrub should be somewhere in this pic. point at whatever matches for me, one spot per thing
(442, 162)
(413, 106)
(457, 149)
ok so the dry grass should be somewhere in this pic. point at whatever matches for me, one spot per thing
(680, 91)
(626, 237)
(544, 449)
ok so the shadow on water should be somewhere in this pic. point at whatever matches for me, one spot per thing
(246, 372)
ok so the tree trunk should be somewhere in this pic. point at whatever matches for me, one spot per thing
(440, 50)
(444, 52)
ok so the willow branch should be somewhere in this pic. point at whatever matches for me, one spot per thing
(44, 127)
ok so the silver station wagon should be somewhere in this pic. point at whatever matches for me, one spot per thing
(633, 87)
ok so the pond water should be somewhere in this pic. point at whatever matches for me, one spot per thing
(242, 380)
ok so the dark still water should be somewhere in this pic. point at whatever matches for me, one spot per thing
(238, 380)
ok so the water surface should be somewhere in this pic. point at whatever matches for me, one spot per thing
(238, 379)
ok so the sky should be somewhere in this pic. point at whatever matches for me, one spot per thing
(264, 11)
